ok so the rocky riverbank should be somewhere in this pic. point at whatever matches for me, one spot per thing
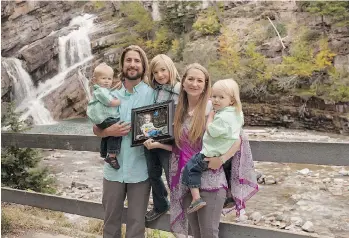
(297, 197)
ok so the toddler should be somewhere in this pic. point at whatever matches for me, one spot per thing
(103, 111)
(222, 131)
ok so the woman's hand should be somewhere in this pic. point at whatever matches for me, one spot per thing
(151, 144)
(117, 129)
(214, 162)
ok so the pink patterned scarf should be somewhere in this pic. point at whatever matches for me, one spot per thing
(244, 183)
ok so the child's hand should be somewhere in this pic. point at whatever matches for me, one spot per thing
(151, 144)
(118, 85)
(212, 113)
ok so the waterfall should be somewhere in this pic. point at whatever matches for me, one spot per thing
(22, 82)
(155, 11)
(75, 48)
(74, 51)
(25, 93)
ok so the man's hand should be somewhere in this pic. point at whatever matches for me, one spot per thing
(117, 129)
(214, 162)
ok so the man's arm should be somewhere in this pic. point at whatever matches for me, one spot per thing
(117, 129)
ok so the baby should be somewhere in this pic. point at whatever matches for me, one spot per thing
(103, 110)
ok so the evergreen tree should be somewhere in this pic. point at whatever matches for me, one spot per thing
(19, 166)
(338, 11)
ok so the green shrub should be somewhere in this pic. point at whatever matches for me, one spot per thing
(19, 166)
(281, 28)
(207, 23)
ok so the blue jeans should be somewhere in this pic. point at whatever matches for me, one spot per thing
(196, 166)
(193, 170)
(110, 144)
(158, 159)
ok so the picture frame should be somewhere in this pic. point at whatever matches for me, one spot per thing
(154, 121)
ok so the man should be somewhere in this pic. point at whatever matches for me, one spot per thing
(131, 178)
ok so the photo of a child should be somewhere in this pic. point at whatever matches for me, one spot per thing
(151, 124)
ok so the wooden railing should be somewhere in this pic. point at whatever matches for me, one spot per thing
(273, 151)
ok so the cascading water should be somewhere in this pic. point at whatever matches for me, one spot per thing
(74, 51)
(22, 82)
(25, 93)
(75, 48)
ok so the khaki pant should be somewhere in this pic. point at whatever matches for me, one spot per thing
(205, 222)
(114, 194)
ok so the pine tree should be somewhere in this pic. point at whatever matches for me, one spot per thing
(338, 11)
(19, 166)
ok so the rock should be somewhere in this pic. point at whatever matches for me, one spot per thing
(256, 217)
(297, 221)
(338, 181)
(336, 191)
(270, 180)
(242, 218)
(341, 172)
(308, 226)
(68, 101)
(296, 197)
(305, 171)
(78, 186)
(326, 180)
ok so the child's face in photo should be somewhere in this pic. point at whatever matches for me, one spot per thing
(147, 118)
(105, 80)
(161, 73)
(220, 99)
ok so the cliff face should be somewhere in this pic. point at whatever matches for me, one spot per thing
(31, 33)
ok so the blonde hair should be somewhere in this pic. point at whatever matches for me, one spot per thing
(144, 59)
(230, 87)
(161, 58)
(101, 70)
(198, 120)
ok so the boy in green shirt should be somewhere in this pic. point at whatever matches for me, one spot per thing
(222, 131)
(103, 111)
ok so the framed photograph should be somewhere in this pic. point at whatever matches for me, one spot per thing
(154, 121)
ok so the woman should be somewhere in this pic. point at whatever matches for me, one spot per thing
(189, 127)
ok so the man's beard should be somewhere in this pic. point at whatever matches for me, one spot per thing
(137, 76)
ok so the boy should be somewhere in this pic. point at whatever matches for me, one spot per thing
(103, 111)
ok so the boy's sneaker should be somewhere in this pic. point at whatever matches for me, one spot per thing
(229, 203)
(196, 205)
(153, 214)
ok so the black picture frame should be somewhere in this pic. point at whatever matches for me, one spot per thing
(154, 121)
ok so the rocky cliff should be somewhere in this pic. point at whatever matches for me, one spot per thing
(31, 33)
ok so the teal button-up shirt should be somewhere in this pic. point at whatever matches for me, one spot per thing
(133, 167)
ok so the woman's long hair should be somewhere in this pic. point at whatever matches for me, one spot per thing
(198, 119)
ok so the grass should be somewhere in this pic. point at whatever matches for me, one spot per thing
(17, 219)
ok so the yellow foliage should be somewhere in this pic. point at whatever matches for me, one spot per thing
(207, 22)
(324, 58)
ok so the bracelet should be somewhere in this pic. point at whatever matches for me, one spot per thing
(221, 160)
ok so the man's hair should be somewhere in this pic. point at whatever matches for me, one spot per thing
(144, 60)
(161, 58)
